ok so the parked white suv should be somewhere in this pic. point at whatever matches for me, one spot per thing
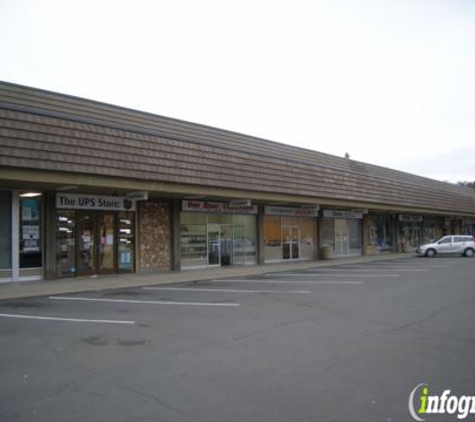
(453, 244)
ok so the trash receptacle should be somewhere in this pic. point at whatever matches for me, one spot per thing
(326, 251)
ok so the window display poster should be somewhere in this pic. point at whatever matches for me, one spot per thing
(30, 227)
(30, 210)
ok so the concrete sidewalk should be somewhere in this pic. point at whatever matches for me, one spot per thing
(26, 289)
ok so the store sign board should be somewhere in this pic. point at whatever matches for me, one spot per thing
(137, 196)
(74, 201)
(292, 211)
(240, 202)
(218, 207)
(406, 218)
(342, 214)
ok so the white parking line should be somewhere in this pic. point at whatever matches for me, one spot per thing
(329, 275)
(203, 289)
(258, 281)
(369, 270)
(425, 265)
(102, 321)
(144, 302)
(394, 270)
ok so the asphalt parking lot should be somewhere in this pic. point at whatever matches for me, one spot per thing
(340, 343)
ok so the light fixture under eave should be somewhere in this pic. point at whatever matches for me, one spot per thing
(70, 187)
(30, 194)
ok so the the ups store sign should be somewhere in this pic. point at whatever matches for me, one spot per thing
(93, 202)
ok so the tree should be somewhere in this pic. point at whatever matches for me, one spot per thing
(467, 184)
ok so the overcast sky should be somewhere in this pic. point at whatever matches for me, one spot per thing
(390, 82)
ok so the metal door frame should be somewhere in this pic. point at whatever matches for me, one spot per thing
(290, 227)
(95, 216)
(94, 234)
(219, 244)
(345, 246)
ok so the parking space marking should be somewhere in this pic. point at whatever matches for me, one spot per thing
(204, 289)
(145, 302)
(408, 267)
(394, 267)
(328, 275)
(258, 281)
(369, 270)
(101, 321)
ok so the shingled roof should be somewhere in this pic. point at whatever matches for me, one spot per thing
(43, 130)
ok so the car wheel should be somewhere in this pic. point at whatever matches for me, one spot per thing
(469, 252)
(430, 253)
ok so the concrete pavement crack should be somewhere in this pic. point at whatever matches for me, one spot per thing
(428, 317)
(155, 399)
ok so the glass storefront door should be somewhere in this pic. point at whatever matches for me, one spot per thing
(239, 245)
(66, 244)
(226, 244)
(86, 226)
(342, 237)
(214, 245)
(213, 239)
(126, 243)
(410, 236)
(94, 242)
(291, 242)
(106, 224)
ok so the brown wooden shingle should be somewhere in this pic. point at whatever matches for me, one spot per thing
(49, 131)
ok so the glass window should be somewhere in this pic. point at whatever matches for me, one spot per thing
(242, 219)
(446, 240)
(126, 241)
(383, 236)
(290, 221)
(355, 235)
(433, 229)
(66, 243)
(30, 232)
(5, 230)
(193, 218)
(272, 233)
(327, 232)
(193, 245)
(220, 218)
(250, 240)
(107, 242)
(307, 238)
(272, 238)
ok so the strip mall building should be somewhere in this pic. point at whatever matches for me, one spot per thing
(90, 188)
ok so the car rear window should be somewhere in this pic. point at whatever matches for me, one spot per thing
(463, 239)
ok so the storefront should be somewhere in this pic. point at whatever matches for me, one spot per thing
(95, 235)
(468, 226)
(379, 234)
(342, 231)
(21, 235)
(409, 232)
(214, 234)
(5, 235)
(453, 225)
(289, 233)
(433, 229)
